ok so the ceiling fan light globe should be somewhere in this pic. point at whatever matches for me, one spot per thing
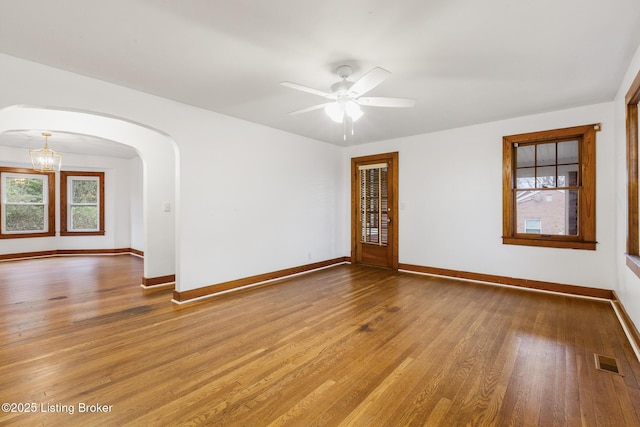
(335, 111)
(353, 110)
(356, 115)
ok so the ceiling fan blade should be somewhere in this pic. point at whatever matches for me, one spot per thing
(312, 108)
(306, 89)
(376, 101)
(370, 80)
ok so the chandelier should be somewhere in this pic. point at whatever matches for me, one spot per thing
(45, 159)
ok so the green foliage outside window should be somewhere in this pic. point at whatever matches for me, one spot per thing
(24, 190)
(84, 204)
(25, 206)
(25, 218)
(85, 191)
(84, 217)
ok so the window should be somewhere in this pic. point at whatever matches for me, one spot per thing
(28, 203)
(549, 188)
(81, 203)
(632, 99)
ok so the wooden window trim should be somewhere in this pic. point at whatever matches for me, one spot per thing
(586, 238)
(64, 219)
(51, 203)
(632, 99)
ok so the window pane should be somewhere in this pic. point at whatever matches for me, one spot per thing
(572, 212)
(526, 155)
(84, 217)
(25, 218)
(532, 226)
(24, 190)
(557, 211)
(568, 176)
(568, 152)
(525, 178)
(84, 191)
(546, 177)
(546, 154)
(525, 166)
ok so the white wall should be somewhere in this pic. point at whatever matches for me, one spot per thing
(450, 193)
(118, 218)
(255, 200)
(628, 286)
(135, 204)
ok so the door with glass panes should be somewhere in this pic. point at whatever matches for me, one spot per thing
(374, 210)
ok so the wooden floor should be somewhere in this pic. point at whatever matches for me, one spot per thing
(347, 346)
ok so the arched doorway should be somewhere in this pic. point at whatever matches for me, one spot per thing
(159, 155)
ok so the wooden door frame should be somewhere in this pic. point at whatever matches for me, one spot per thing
(632, 99)
(392, 158)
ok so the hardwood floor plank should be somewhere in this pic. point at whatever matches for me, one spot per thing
(365, 413)
(302, 407)
(349, 345)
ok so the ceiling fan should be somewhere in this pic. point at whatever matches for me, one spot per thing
(345, 97)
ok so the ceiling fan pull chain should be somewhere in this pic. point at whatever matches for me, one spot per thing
(344, 130)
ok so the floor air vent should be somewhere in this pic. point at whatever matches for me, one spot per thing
(608, 364)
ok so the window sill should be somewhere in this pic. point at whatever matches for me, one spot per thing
(564, 244)
(633, 262)
(82, 233)
(27, 235)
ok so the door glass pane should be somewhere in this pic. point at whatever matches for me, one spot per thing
(384, 205)
(373, 205)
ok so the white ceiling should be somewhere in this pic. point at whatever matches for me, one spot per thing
(465, 61)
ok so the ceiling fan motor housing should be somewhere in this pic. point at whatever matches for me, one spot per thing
(344, 71)
(341, 88)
